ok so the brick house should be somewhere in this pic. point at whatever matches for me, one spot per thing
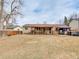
(47, 28)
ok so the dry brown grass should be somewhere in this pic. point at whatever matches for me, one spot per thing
(39, 47)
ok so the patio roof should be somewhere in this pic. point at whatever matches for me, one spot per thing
(47, 25)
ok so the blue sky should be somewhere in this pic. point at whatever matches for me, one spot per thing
(50, 11)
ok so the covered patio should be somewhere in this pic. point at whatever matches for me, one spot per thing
(41, 30)
(48, 29)
(64, 30)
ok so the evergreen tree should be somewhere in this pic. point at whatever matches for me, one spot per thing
(65, 20)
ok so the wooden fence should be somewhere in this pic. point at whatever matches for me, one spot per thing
(10, 32)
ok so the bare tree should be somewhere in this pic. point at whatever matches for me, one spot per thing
(14, 9)
(6, 16)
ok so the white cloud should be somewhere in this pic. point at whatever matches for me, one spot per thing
(51, 11)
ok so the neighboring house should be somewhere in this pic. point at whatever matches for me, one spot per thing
(26, 31)
(14, 31)
(23, 29)
(18, 28)
(74, 24)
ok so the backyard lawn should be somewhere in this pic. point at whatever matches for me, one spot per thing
(39, 47)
